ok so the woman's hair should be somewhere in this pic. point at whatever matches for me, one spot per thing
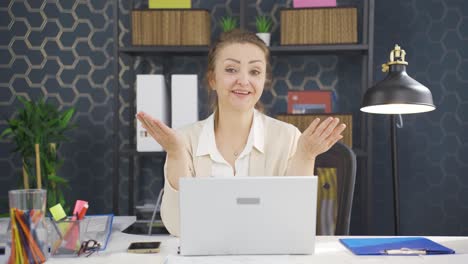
(235, 36)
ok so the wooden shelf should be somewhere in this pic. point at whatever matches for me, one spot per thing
(318, 49)
(275, 50)
(165, 50)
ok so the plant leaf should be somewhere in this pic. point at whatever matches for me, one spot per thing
(57, 179)
(66, 116)
(6, 132)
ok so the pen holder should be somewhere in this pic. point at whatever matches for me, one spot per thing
(67, 236)
(28, 231)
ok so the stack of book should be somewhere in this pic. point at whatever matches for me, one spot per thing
(329, 25)
(171, 27)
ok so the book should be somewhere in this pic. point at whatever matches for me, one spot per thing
(308, 102)
(395, 246)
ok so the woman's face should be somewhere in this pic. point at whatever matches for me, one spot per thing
(239, 76)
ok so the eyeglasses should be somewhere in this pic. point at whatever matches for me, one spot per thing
(89, 247)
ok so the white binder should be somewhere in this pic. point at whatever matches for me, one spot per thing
(152, 98)
(184, 99)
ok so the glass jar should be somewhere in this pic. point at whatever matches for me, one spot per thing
(28, 239)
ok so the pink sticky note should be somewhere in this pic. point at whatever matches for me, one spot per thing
(78, 207)
(313, 3)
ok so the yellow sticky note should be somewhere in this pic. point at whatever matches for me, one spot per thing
(57, 212)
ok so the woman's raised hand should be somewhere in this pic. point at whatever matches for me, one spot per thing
(167, 137)
(319, 137)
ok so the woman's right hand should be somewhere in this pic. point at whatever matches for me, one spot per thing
(167, 137)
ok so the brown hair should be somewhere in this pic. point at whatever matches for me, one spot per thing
(233, 37)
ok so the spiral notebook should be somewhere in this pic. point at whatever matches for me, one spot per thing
(395, 246)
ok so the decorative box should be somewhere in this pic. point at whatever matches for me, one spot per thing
(171, 27)
(332, 25)
(313, 3)
(169, 3)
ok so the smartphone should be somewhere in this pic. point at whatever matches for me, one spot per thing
(144, 247)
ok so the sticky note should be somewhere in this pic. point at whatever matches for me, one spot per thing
(57, 212)
(79, 204)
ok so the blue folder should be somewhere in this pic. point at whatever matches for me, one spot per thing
(395, 246)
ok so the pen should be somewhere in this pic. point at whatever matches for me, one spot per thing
(405, 251)
(83, 211)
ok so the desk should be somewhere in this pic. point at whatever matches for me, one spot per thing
(328, 250)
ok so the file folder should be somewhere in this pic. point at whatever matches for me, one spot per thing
(395, 246)
(184, 98)
(152, 98)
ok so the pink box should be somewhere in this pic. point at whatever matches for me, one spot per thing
(313, 3)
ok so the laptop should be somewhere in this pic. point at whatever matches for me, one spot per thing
(247, 215)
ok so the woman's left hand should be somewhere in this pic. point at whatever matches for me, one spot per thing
(319, 137)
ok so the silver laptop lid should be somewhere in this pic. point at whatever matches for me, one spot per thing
(247, 215)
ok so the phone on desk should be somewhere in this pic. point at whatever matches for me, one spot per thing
(144, 247)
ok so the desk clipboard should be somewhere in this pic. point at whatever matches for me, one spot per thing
(99, 228)
(395, 246)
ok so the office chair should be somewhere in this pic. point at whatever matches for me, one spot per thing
(336, 170)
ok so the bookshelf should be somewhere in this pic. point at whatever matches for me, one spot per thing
(364, 49)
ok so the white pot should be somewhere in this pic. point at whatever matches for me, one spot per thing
(265, 37)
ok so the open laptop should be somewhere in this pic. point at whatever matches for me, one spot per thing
(247, 215)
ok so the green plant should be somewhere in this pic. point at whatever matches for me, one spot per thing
(41, 125)
(228, 23)
(263, 24)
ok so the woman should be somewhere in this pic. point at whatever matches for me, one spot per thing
(237, 140)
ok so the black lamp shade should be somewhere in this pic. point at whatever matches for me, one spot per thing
(398, 93)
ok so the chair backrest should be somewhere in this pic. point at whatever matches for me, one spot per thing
(336, 170)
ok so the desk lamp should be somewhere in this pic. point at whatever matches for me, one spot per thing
(397, 94)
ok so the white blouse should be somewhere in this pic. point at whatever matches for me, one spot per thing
(220, 167)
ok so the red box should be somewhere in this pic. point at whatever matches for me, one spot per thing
(306, 102)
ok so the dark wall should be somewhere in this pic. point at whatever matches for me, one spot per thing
(433, 148)
(64, 51)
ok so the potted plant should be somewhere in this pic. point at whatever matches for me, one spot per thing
(228, 23)
(37, 132)
(263, 24)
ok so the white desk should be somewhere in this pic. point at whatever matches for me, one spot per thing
(328, 250)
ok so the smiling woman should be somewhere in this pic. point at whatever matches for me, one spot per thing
(237, 139)
(238, 81)
(231, 51)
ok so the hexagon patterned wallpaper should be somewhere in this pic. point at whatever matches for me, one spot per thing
(433, 147)
(63, 50)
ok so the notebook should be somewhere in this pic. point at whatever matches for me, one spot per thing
(395, 246)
